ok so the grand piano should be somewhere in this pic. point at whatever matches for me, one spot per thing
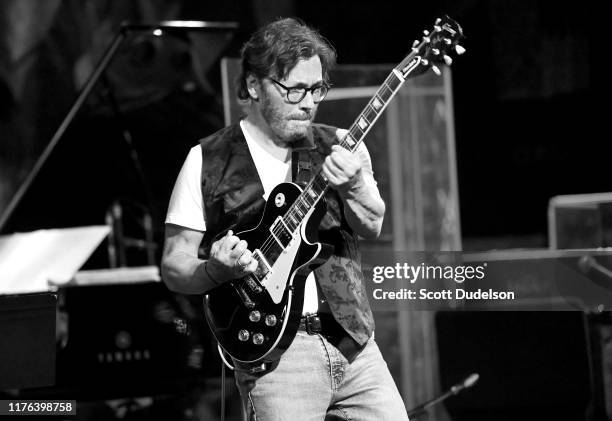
(114, 330)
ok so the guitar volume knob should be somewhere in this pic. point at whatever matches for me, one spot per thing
(243, 335)
(271, 320)
(258, 339)
(255, 316)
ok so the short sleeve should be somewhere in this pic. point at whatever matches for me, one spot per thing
(186, 206)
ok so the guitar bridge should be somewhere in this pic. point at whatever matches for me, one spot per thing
(252, 283)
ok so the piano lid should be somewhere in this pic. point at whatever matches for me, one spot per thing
(41, 260)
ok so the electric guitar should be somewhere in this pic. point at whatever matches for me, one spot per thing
(255, 318)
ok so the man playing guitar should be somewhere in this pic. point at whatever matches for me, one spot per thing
(332, 367)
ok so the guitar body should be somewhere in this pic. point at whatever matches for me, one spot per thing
(242, 314)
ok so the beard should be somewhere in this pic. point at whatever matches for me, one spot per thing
(287, 125)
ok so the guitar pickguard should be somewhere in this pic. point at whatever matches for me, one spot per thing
(275, 282)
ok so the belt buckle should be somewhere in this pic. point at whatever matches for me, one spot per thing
(313, 324)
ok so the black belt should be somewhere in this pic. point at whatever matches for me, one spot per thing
(326, 325)
(323, 323)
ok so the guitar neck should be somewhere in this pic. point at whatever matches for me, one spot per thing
(432, 49)
(315, 190)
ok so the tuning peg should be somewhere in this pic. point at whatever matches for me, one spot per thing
(459, 49)
(436, 70)
(448, 41)
(438, 20)
(448, 60)
(425, 32)
(435, 51)
(415, 43)
(424, 62)
(427, 40)
(437, 28)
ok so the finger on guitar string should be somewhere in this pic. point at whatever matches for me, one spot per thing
(339, 154)
(224, 244)
(229, 242)
(238, 250)
(341, 134)
(330, 177)
(341, 168)
(217, 244)
(342, 161)
(246, 263)
(232, 259)
(245, 258)
(252, 266)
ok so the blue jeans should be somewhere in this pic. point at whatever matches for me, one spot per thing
(314, 381)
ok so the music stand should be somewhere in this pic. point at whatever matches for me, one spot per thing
(35, 261)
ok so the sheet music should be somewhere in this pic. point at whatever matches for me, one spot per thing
(30, 261)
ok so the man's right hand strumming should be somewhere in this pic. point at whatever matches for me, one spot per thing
(230, 259)
(184, 272)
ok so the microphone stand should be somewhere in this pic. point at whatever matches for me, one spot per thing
(424, 407)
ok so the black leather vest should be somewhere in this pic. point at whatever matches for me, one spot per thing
(232, 193)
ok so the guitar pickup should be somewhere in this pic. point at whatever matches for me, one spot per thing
(281, 232)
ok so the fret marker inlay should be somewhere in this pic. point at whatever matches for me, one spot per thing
(349, 140)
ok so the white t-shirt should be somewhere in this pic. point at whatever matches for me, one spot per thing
(186, 206)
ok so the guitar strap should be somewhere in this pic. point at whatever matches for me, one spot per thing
(301, 167)
(302, 172)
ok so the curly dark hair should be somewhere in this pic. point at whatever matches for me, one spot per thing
(275, 49)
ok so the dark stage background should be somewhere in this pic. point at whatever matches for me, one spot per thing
(527, 128)
(524, 95)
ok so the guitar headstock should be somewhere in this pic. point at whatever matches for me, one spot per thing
(436, 48)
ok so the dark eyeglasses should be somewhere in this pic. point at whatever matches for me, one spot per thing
(295, 95)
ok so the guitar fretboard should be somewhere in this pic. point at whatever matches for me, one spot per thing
(316, 188)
